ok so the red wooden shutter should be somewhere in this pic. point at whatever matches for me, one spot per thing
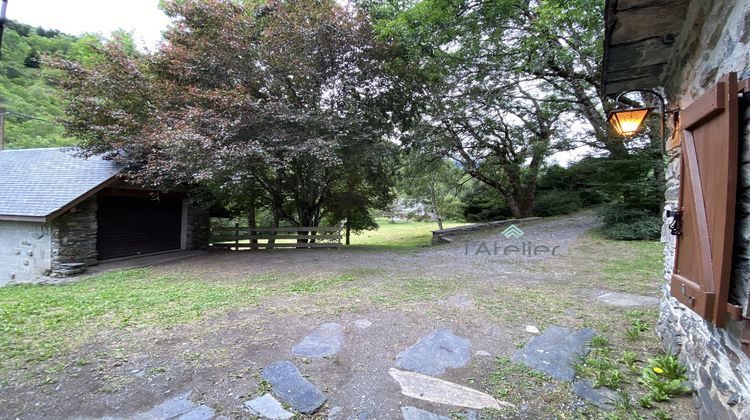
(708, 188)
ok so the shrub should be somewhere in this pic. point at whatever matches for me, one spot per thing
(630, 224)
(554, 203)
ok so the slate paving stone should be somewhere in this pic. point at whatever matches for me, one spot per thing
(414, 413)
(434, 353)
(326, 340)
(555, 351)
(289, 385)
(601, 397)
(627, 300)
(177, 408)
(438, 391)
(267, 407)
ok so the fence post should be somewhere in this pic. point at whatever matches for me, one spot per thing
(236, 236)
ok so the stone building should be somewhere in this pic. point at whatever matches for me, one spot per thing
(60, 213)
(697, 53)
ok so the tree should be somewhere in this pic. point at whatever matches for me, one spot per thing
(436, 183)
(274, 95)
(497, 123)
(33, 59)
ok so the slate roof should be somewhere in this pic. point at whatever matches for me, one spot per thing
(36, 184)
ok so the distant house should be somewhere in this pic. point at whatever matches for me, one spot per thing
(60, 213)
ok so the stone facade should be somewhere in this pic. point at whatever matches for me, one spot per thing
(24, 251)
(715, 40)
(198, 225)
(74, 236)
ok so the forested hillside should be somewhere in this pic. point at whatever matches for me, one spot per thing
(26, 87)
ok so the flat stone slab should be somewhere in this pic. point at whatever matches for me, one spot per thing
(414, 413)
(434, 353)
(627, 300)
(267, 407)
(427, 388)
(555, 351)
(289, 385)
(324, 341)
(601, 397)
(178, 408)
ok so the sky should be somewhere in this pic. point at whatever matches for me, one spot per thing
(75, 17)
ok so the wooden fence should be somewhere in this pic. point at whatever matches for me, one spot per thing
(244, 238)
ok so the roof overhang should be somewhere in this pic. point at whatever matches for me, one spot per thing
(61, 210)
(638, 42)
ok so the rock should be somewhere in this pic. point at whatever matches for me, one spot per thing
(603, 398)
(627, 300)
(435, 352)
(178, 408)
(363, 324)
(289, 385)
(413, 413)
(555, 351)
(324, 341)
(427, 388)
(482, 353)
(532, 329)
(267, 407)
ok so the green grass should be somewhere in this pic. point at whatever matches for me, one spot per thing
(625, 266)
(318, 284)
(39, 321)
(400, 235)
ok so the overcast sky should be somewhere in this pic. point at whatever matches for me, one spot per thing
(74, 17)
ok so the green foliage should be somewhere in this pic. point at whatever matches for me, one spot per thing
(664, 377)
(554, 203)
(26, 86)
(622, 222)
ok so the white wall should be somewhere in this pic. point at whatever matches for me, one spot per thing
(25, 249)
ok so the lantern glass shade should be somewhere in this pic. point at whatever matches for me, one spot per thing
(628, 122)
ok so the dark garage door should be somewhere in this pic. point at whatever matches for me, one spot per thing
(133, 225)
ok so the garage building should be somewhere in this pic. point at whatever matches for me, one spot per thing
(60, 213)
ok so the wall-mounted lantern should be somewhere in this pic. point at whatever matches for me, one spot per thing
(628, 121)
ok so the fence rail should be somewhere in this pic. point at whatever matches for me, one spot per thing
(245, 238)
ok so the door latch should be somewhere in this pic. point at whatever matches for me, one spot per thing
(676, 226)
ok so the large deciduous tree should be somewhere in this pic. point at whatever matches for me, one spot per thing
(272, 96)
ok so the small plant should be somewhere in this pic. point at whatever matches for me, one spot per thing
(629, 358)
(633, 333)
(610, 378)
(662, 414)
(664, 377)
(600, 342)
(640, 325)
(646, 402)
(623, 401)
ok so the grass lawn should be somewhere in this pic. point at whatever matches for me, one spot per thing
(399, 235)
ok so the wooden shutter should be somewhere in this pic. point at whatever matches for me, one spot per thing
(708, 189)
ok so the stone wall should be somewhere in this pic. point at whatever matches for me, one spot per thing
(74, 236)
(448, 235)
(198, 225)
(714, 41)
(24, 251)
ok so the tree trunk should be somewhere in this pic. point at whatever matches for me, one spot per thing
(252, 222)
(348, 232)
